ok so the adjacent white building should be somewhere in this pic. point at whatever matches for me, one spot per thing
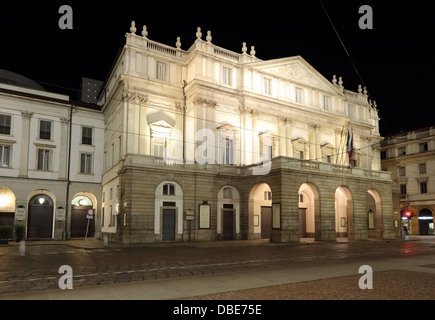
(50, 166)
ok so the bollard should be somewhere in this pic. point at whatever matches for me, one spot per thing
(106, 240)
(22, 248)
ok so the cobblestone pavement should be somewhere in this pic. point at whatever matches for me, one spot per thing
(387, 285)
(99, 266)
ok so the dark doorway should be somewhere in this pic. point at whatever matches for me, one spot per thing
(40, 218)
(425, 218)
(228, 224)
(8, 219)
(302, 223)
(79, 222)
(168, 225)
(266, 222)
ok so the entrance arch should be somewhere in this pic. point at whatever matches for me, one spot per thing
(40, 217)
(343, 212)
(168, 214)
(80, 205)
(228, 214)
(260, 211)
(7, 207)
(308, 210)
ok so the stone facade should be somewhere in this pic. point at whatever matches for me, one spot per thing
(210, 144)
(410, 156)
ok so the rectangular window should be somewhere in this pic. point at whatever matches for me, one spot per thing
(299, 154)
(45, 130)
(403, 189)
(5, 124)
(325, 103)
(267, 86)
(227, 156)
(86, 163)
(226, 76)
(351, 111)
(44, 158)
(159, 148)
(422, 168)
(298, 97)
(422, 147)
(402, 171)
(401, 151)
(423, 187)
(161, 71)
(111, 217)
(87, 135)
(5, 156)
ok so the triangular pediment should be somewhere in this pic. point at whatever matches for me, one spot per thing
(297, 70)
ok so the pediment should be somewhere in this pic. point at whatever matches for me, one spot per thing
(297, 70)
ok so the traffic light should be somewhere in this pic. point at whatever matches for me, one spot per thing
(409, 214)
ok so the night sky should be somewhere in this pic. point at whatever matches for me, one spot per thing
(395, 59)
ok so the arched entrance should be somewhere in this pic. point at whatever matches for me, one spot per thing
(7, 207)
(40, 217)
(228, 217)
(343, 212)
(260, 211)
(425, 222)
(168, 214)
(308, 210)
(79, 222)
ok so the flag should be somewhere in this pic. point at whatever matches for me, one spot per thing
(349, 146)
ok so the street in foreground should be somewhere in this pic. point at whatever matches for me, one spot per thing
(244, 270)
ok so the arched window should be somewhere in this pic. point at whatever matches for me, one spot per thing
(169, 189)
(228, 193)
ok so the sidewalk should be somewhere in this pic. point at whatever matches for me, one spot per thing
(420, 267)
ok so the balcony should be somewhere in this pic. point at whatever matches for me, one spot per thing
(278, 163)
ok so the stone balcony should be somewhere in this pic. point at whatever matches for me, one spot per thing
(278, 163)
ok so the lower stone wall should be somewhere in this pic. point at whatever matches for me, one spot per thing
(138, 195)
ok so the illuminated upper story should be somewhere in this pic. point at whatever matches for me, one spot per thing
(154, 89)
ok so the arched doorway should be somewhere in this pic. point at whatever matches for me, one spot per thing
(228, 217)
(40, 217)
(168, 214)
(308, 210)
(7, 207)
(425, 222)
(343, 212)
(260, 211)
(79, 222)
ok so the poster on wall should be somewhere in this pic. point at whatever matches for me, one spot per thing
(204, 216)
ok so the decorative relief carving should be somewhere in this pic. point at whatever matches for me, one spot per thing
(296, 72)
(134, 96)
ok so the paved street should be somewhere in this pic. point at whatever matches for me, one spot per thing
(260, 269)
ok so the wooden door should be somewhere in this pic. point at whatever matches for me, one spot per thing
(228, 224)
(266, 222)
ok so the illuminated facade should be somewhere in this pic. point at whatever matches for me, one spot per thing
(49, 169)
(210, 144)
(410, 156)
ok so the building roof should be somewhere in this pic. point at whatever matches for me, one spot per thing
(18, 80)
